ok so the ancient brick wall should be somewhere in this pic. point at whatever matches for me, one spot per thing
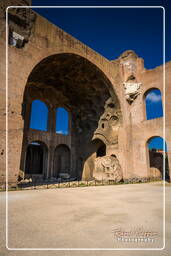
(44, 39)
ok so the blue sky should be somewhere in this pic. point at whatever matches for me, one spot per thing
(62, 120)
(154, 108)
(39, 118)
(39, 115)
(113, 30)
(157, 143)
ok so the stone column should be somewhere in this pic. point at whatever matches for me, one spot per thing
(15, 138)
(52, 120)
(50, 161)
(52, 132)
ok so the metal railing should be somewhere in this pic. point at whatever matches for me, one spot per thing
(12, 186)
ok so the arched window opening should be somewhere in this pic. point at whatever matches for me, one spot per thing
(62, 121)
(101, 151)
(156, 148)
(39, 115)
(35, 158)
(153, 102)
(62, 162)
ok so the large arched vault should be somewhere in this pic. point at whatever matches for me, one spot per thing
(47, 65)
(73, 82)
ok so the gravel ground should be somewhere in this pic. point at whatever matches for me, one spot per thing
(86, 217)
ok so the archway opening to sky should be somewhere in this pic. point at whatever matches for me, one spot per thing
(62, 121)
(39, 115)
(77, 94)
(158, 158)
(153, 103)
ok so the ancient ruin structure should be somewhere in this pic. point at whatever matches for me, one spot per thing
(108, 130)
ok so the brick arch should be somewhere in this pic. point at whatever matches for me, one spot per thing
(151, 88)
(155, 161)
(103, 68)
(62, 161)
(36, 159)
(109, 69)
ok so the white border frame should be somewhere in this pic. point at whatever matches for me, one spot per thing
(164, 206)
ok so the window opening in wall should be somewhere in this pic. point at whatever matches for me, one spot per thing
(62, 121)
(156, 148)
(153, 102)
(39, 115)
(35, 156)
